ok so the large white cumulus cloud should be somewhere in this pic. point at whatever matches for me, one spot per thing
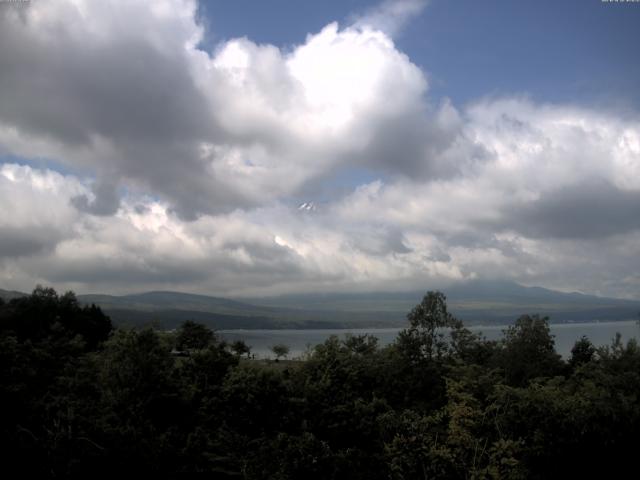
(121, 87)
(183, 165)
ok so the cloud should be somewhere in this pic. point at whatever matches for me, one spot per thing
(184, 167)
(106, 200)
(391, 16)
(587, 210)
(16, 243)
(123, 90)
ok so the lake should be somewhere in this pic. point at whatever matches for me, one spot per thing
(300, 340)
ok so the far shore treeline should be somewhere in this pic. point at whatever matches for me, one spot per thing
(81, 397)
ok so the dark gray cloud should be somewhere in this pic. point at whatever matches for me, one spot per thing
(105, 202)
(261, 258)
(72, 78)
(120, 88)
(420, 142)
(588, 210)
(378, 241)
(114, 271)
(20, 242)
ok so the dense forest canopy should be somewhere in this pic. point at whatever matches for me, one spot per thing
(82, 397)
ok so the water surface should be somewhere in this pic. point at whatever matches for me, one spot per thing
(300, 341)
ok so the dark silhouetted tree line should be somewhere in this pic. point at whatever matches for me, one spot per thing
(82, 398)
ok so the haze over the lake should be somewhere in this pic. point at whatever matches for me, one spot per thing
(257, 148)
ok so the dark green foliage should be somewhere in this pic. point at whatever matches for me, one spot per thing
(361, 344)
(582, 352)
(280, 350)
(287, 456)
(426, 336)
(193, 336)
(240, 348)
(203, 371)
(44, 339)
(440, 402)
(45, 315)
(527, 351)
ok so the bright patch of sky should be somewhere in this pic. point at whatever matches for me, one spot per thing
(562, 51)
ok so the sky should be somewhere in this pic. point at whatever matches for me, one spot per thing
(169, 145)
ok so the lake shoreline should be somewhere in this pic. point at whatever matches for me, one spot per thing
(301, 340)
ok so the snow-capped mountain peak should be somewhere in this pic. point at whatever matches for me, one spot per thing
(307, 207)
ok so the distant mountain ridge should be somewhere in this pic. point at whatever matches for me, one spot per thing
(475, 302)
(158, 300)
(7, 295)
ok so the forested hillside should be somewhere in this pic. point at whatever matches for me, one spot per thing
(83, 398)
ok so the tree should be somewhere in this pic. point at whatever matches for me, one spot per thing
(582, 352)
(239, 347)
(194, 336)
(44, 315)
(135, 367)
(426, 336)
(280, 350)
(361, 344)
(528, 351)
